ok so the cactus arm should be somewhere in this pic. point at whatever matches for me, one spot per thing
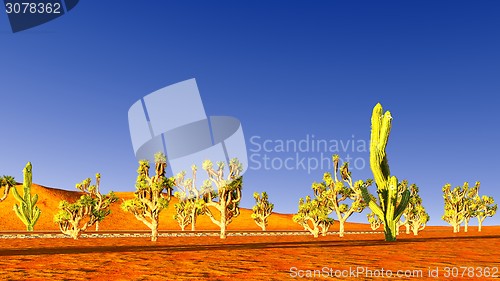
(405, 200)
(371, 203)
(392, 198)
(16, 194)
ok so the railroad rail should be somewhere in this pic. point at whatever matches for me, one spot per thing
(165, 233)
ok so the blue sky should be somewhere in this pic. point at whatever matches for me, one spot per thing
(285, 69)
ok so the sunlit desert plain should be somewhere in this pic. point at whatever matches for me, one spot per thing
(435, 254)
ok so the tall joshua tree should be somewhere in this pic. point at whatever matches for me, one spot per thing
(26, 211)
(149, 197)
(391, 203)
(338, 191)
(262, 209)
(455, 201)
(225, 199)
(6, 182)
(191, 202)
(90, 208)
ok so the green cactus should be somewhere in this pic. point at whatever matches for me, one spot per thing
(391, 203)
(26, 210)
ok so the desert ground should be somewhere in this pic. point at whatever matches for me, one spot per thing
(449, 256)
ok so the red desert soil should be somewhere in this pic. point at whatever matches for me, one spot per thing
(242, 258)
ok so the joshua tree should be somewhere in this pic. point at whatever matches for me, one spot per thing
(486, 207)
(227, 196)
(470, 208)
(262, 209)
(92, 207)
(190, 199)
(183, 211)
(6, 182)
(27, 212)
(374, 220)
(149, 198)
(313, 216)
(415, 215)
(455, 205)
(391, 203)
(337, 192)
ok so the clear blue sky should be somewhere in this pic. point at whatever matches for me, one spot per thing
(286, 69)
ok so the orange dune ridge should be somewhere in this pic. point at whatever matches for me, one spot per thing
(49, 198)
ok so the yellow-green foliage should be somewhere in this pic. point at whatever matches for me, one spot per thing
(26, 211)
(391, 203)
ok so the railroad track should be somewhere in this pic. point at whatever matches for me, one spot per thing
(141, 233)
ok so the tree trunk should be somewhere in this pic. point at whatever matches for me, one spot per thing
(415, 230)
(341, 228)
(408, 229)
(223, 223)
(97, 226)
(466, 225)
(479, 224)
(193, 221)
(263, 226)
(315, 232)
(456, 228)
(154, 230)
